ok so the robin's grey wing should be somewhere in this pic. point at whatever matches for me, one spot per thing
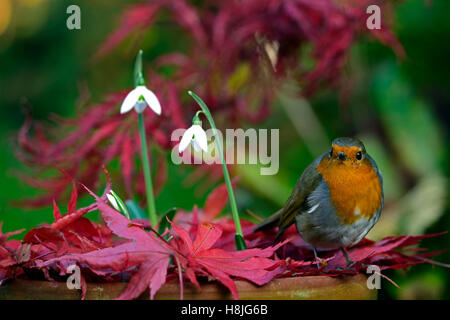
(308, 182)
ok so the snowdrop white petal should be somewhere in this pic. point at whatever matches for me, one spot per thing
(196, 136)
(130, 100)
(186, 139)
(150, 98)
(200, 137)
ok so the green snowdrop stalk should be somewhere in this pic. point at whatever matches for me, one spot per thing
(139, 98)
(196, 135)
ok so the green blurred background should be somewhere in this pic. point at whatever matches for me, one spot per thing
(398, 108)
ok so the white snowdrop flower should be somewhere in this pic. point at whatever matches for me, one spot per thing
(113, 201)
(196, 136)
(139, 98)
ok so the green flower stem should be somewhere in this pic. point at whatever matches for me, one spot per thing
(238, 238)
(140, 81)
(147, 173)
(138, 73)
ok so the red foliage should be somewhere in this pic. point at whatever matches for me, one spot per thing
(69, 233)
(146, 256)
(99, 135)
(200, 250)
(9, 253)
(201, 257)
(229, 33)
(144, 250)
(238, 52)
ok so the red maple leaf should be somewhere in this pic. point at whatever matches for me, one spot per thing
(389, 253)
(200, 257)
(145, 251)
(214, 205)
(217, 200)
(7, 252)
(71, 232)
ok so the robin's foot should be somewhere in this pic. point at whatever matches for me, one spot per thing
(350, 263)
(320, 262)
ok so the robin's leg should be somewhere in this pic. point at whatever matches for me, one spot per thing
(351, 263)
(317, 258)
(320, 262)
(347, 258)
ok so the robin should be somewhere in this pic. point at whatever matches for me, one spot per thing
(336, 201)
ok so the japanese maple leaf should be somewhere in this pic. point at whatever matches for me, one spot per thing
(216, 201)
(145, 251)
(7, 248)
(7, 252)
(71, 232)
(202, 258)
(386, 253)
(214, 205)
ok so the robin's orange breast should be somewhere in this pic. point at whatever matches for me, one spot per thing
(355, 189)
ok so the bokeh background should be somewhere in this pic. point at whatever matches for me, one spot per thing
(397, 106)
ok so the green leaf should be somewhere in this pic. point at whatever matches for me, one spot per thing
(163, 223)
(135, 211)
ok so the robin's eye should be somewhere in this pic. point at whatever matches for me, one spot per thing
(359, 155)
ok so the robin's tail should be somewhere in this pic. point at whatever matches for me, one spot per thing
(270, 222)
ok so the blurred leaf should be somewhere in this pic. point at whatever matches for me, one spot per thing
(135, 211)
(408, 121)
(416, 211)
(304, 119)
(272, 187)
(427, 286)
(239, 77)
(5, 15)
(423, 205)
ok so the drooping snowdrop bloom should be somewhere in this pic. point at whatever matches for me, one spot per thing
(194, 135)
(139, 98)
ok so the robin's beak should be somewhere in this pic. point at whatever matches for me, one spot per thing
(342, 156)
